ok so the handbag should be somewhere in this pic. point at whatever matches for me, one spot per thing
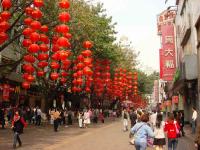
(132, 141)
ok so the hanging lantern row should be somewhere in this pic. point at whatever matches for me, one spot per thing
(83, 70)
(4, 20)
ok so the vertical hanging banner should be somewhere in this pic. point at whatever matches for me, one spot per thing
(167, 51)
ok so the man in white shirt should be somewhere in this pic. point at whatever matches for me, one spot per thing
(194, 119)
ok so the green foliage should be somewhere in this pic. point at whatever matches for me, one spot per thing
(146, 82)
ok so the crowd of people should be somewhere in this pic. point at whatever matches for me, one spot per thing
(156, 130)
(19, 117)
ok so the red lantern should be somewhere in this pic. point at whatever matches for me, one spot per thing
(63, 80)
(36, 14)
(33, 48)
(5, 15)
(38, 3)
(64, 4)
(55, 48)
(80, 73)
(34, 37)
(29, 58)
(44, 28)
(29, 10)
(66, 62)
(67, 35)
(55, 56)
(86, 53)
(64, 17)
(64, 54)
(63, 42)
(87, 89)
(62, 28)
(80, 58)
(27, 31)
(28, 68)
(3, 37)
(87, 61)
(44, 38)
(30, 78)
(79, 81)
(54, 39)
(40, 73)
(26, 85)
(25, 75)
(43, 56)
(54, 65)
(54, 75)
(87, 71)
(6, 4)
(44, 47)
(4, 26)
(42, 64)
(28, 21)
(36, 25)
(64, 74)
(80, 65)
(87, 44)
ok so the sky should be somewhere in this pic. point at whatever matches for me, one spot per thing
(136, 19)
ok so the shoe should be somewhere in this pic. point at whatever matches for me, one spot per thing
(20, 144)
(14, 146)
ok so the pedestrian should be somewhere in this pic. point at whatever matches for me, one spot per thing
(159, 139)
(80, 119)
(142, 131)
(56, 116)
(181, 122)
(86, 121)
(125, 118)
(38, 116)
(153, 118)
(18, 124)
(194, 120)
(172, 128)
(101, 117)
(133, 117)
(197, 139)
(2, 118)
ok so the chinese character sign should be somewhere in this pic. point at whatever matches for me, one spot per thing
(167, 53)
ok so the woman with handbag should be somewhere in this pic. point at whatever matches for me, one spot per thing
(159, 139)
(142, 132)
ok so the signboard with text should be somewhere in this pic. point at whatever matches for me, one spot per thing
(167, 51)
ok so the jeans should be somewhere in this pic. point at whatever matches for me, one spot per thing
(172, 144)
(38, 120)
(16, 138)
(56, 125)
(140, 146)
(193, 126)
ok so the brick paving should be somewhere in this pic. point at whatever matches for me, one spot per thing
(98, 137)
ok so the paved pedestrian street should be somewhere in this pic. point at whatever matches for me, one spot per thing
(98, 137)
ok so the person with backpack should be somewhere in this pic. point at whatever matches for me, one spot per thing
(141, 131)
(172, 129)
(18, 125)
(159, 139)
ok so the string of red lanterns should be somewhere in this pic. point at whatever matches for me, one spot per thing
(4, 18)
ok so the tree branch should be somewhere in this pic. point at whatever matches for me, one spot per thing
(9, 42)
